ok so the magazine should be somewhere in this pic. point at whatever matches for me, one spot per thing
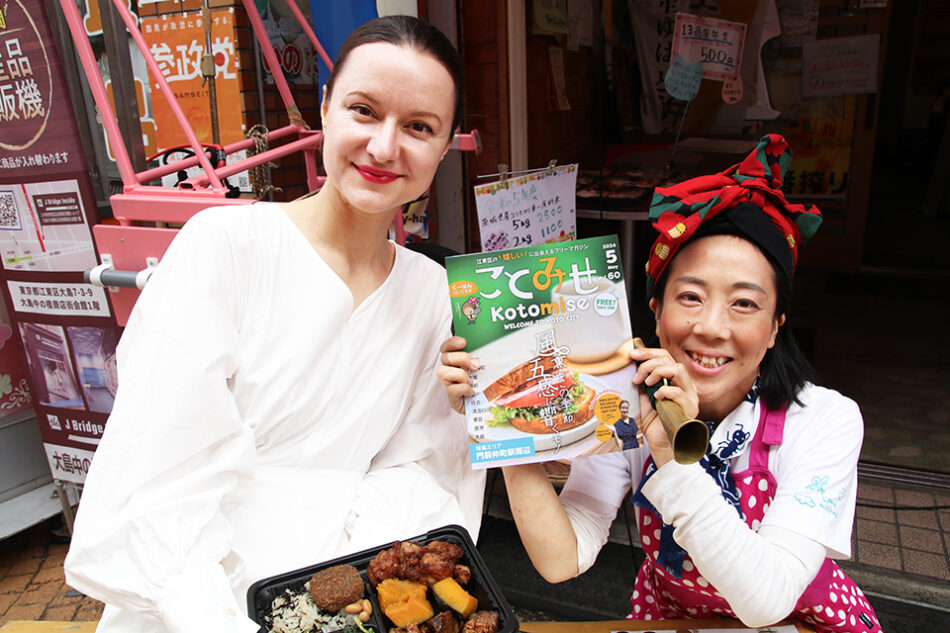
(550, 327)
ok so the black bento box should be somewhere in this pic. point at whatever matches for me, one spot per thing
(482, 586)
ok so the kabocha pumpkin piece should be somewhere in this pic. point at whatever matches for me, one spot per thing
(413, 610)
(393, 590)
(404, 601)
(456, 598)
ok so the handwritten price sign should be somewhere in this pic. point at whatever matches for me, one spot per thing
(716, 43)
(536, 208)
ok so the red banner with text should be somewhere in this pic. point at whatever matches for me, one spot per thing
(65, 330)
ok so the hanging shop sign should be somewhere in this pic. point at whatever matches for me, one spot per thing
(62, 326)
(716, 43)
(535, 208)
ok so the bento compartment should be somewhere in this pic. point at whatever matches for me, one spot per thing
(481, 585)
(293, 586)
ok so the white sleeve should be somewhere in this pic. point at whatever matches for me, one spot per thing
(593, 492)
(423, 477)
(761, 575)
(150, 535)
(816, 468)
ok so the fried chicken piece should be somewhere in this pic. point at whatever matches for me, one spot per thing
(462, 574)
(426, 564)
(444, 622)
(481, 622)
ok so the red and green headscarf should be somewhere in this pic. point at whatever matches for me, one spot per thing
(753, 188)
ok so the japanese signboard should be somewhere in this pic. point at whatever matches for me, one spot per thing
(35, 115)
(43, 227)
(715, 43)
(550, 327)
(177, 42)
(60, 326)
(74, 381)
(822, 134)
(536, 208)
(297, 55)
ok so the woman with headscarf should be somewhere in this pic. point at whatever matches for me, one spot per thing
(751, 530)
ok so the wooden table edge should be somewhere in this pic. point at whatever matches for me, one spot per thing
(646, 625)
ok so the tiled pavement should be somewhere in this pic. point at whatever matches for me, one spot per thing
(915, 540)
(32, 586)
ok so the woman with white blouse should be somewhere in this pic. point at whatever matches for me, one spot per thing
(278, 403)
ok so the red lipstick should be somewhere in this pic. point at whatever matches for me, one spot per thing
(376, 176)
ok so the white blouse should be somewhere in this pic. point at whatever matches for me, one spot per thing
(263, 425)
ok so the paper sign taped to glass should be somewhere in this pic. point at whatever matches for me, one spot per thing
(550, 327)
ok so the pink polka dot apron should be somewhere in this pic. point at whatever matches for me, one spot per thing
(831, 603)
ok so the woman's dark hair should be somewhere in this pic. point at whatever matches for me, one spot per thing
(405, 30)
(784, 369)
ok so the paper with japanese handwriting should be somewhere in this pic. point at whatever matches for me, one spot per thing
(536, 208)
(840, 66)
(550, 327)
(716, 43)
(683, 78)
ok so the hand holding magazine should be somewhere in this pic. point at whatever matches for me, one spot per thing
(550, 327)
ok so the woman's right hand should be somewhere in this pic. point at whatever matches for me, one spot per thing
(545, 529)
(653, 366)
(453, 374)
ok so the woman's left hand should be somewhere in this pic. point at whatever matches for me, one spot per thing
(453, 373)
(655, 365)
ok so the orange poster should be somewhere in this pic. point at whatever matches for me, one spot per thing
(177, 42)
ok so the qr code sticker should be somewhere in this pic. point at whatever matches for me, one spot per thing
(9, 216)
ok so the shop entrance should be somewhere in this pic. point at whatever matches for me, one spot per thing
(877, 328)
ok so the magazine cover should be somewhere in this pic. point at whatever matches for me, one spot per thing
(550, 327)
